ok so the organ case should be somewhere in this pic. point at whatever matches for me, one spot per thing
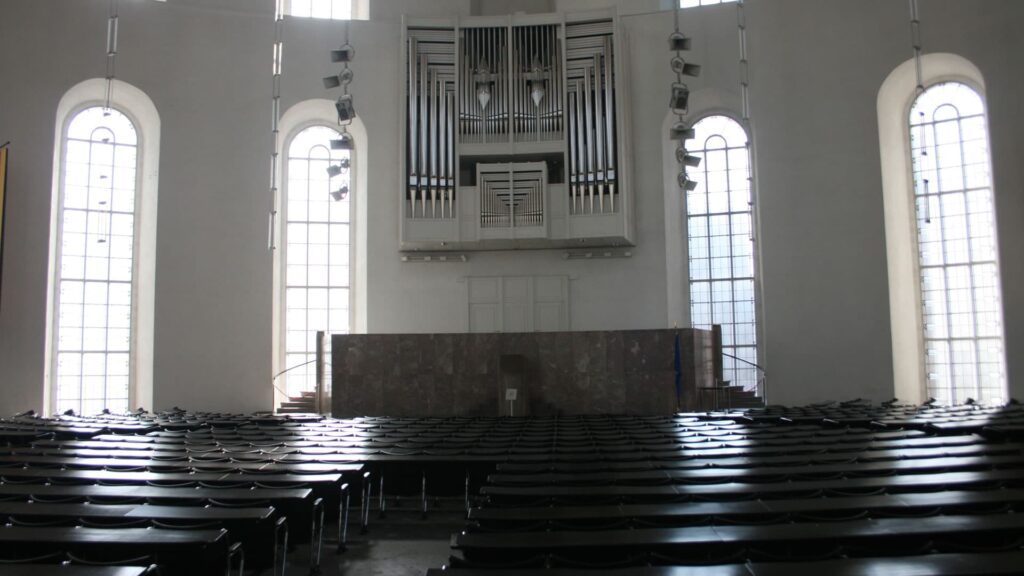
(515, 132)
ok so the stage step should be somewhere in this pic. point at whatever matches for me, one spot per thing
(304, 403)
(737, 397)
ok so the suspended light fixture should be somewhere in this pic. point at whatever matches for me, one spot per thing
(343, 143)
(343, 105)
(676, 41)
(683, 158)
(680, 66)
(345, 109)
(344, 54)
(339, 194)
(682, 132)
(275, 119)
(685, 183)
(346, 112)
(112, 26)
(922, 135)
(679, 104)
(337, 169)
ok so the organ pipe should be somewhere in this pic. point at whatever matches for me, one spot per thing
(492, 86)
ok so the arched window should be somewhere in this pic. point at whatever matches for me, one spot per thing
(317, 254)
(95, 266)
(719, 221)
(959, 269)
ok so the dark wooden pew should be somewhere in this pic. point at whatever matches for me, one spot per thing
(264, 540)
(176, 551)
(742, 490)
(76, 570)
(777, 540)
(751, 511)
(709, 474)
(993, 563)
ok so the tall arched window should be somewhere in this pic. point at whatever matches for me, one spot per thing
(95, 265)
(317, 240)
(719, 221)
(959, 269)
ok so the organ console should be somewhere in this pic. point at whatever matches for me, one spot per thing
(513, 133)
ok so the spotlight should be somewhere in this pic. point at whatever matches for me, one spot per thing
(683, 158)
(339, 194)
(680, 66)
(343, 54)
(685, 183)
(331, 82)
(343, 143)
(680, 131)
(336, 169)
(677, 42)
(680, 99)
(343, 77)
(344, 107)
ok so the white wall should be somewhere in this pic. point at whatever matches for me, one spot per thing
(816, 66)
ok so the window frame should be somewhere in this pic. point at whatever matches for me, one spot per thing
(685, 216)
(896, 97)
(142, 113)
(281, 282)
(931, 126)
(54, 343)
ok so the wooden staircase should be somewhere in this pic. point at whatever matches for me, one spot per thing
(305, 403)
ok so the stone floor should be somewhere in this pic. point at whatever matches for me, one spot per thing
(402, 544)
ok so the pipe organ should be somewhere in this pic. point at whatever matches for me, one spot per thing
(514, 133)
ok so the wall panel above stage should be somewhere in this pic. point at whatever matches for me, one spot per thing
(616, 372)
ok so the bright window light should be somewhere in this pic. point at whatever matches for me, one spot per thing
(695, 3)
(325, 9)
(96, 263)
(960, 290)
(719, 222)
(317, 253)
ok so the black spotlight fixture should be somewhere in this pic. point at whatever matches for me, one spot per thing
(680, 66)
(688, 159)
(678, 43)
(343, 143)
(346, 113)
(680, 131)
(685, 183)
(343, 54)
(679, 101)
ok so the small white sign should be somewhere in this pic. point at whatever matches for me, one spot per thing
(511, 394)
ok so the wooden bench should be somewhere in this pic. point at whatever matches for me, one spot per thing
(265, 540)
(741, 490)
(725, 541)
(716, 474)
(993, 563)
(176, 551)
(752, 511)
(74, 570)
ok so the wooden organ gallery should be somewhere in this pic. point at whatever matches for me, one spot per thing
(514, 133)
